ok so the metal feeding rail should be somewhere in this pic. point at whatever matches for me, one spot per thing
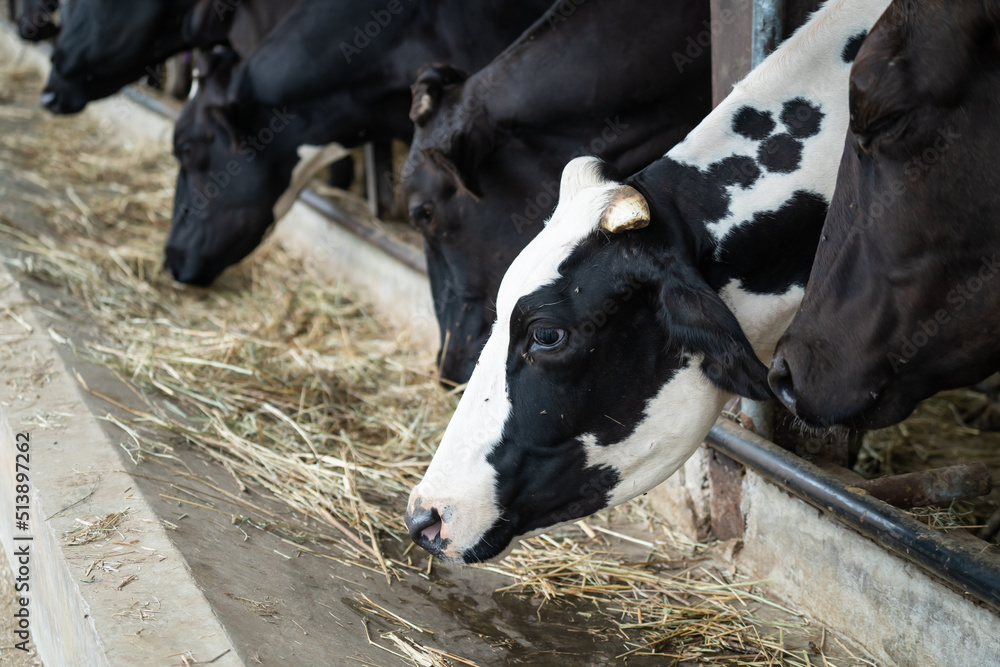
(965, 566)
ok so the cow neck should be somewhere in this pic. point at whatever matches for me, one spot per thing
(533, 86)
(747, 190)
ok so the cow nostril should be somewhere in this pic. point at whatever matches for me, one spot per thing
(49, 99)
(780, 379)
(424, 526)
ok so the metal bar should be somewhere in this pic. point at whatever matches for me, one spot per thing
(412, 258)
(768, 27)
(937, 486)
(371, 178)
(970, 570)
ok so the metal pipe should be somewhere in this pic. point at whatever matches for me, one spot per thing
(768, 29)
(970, 570)
(412, 258)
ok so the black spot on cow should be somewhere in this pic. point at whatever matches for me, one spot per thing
(748, 251)
(852, 47)
(802, 118)
(694, 194)
(781, 153)
(734, 170)
(753, 124)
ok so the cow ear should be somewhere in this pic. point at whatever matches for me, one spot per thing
(428, 89)
(698, 320)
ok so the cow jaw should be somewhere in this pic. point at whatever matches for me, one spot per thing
(671, 429)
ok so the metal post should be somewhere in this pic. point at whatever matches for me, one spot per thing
(768, 28)
(371, 178)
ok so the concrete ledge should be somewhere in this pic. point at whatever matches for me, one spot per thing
(126, 598)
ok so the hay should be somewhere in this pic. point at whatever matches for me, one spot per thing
(298, 390)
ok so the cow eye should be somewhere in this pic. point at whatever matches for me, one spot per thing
(183, 150)
(885, 128)
(421, 216)
(547, 338)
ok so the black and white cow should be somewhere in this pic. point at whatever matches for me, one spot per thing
(904, 297)
(332, 71)
(487, 151)
(627, 323)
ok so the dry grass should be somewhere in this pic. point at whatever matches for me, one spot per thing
(296, 388)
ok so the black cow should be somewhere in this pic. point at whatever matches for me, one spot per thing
(333, 71)
(904, 296)
(627, 323)
(105, 45)
(36, 22)
(484, 165)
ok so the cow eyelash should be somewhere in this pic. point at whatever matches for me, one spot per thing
(547, 338)
(888, 126)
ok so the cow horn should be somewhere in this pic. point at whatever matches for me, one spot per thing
(626, 210)
(423, 107)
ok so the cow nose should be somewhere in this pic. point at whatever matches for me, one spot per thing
(780, 379)
(173, 260)
(50, 100)
(425, 529)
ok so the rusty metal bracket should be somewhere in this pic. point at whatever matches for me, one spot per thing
(938, 486)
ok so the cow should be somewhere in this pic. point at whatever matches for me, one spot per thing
(903, 299)
(483, 169)
(106, 45)
(643, 305)
(36, 22)
(330, 72)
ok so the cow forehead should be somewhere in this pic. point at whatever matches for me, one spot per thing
(576, 217)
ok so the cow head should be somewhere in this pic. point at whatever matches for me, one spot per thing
(231, 175)
(903, 297)
(608, 363)
(36, 23)
(477, 196)
(469, 241)
(104, 45)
